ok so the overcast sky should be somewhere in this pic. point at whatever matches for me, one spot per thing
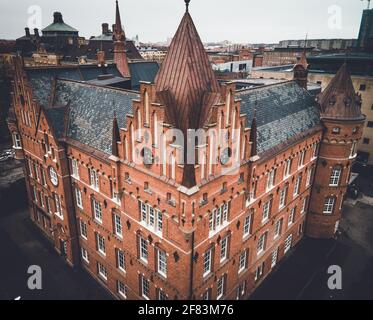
(241, 21)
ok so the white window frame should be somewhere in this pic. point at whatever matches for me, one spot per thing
(118, 228)
(261, 247)
(83, 230)
(220, 287)
(283, 196)
(162, 263)
(259, 271)
(100, 240)
(17, 141)
(75, 168)
(297, 186)
(144, 250)
(57, 202)
(304, 205)
(53, 176)
(121, 260)
(353, 152)
(278, 228)
(207, 262)
(85, 255)
(287, 169)
(151, 218)
(309, 176)
(224, 249)
(122, 289)
(78, 197)
(335, 177)
(247, 225)
(145, 287)
(266, 211)
(242, 262)
(288, 243)
(302, 156)
(271, 179)
(97, 210)
(291, 217)
(218, 218)
(329, 204)
(274, 258)
(102, 271)
(314, 150)
(94, 180)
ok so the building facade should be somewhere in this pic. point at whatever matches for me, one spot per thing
(113, 187)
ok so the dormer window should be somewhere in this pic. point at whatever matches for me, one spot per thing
(332, 101)
(347, 102)
(336, 130)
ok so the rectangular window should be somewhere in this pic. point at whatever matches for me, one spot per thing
(144, 250)
(85, 255)
(287, 170)
(57, 203)
(259, 271)
(309, 176)
(36, 169)
(206, 295)
(247, 225)
(242, 261)
(94, 179)
(162, 295)
(297, 186)
(335, 177)
(78, 197)
(329, 205)
(266, 211)
(278, 228)
(97, 210)
(291, 218)
(218, 218)
(162, 263)
(224, 249)
(49, 208)
(288, 243)
(302, 156)
(83, 230)
(17, 141)
(102, 272)
(118, 230)
(207, 263)
(121, 262)
(43, 177)
(274, 258)
(220, 287)
(262, 243)
(75, 168)
(145, 287)
(315, 150)
(353, 152)
(283, 196)
(271, 179)
(122, 290)
(100, 241)
(304, 205)
(151, 218)
(370, 124)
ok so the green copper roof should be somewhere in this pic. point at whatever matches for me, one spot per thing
(59, 27)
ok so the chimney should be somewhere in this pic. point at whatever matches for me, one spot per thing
(113, 26)
(27, 32)
(101, 59)
(36, 32)
(105, 28)
(57, 17)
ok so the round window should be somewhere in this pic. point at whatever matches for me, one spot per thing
(53, 176)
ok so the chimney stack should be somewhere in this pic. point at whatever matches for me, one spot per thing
(105, 28)
(36, 32)
(57, 17)
(113, 26)
(27, 31)
(101, 59)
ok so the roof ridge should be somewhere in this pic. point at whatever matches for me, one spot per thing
(265, 86)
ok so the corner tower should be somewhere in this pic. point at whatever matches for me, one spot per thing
(343, 125)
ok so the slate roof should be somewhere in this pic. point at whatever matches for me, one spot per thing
(283, 111)
(42, 79)
(143, 71)
(59, 27)
(91, 112)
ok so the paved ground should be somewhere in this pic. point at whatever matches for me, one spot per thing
(304, 274)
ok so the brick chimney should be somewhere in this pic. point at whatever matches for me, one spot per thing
(101, 58)
(105, 28)
(57, 17)
(36, 32)
(27, 32)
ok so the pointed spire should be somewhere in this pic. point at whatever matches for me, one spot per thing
(253, 136)
(119, 38)
(187, 5)
(186, 85)
(116, 136)
(339, 100)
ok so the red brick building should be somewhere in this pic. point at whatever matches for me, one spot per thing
(165, 227)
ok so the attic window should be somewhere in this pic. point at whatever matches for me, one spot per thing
(348, 102)
(332, 101)
(336, 130)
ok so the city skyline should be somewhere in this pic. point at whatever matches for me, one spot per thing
(290, 19)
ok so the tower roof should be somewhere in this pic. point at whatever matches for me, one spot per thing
(118, 33)
(186, 83)
(339, 100)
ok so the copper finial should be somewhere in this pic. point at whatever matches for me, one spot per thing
(187, 4)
